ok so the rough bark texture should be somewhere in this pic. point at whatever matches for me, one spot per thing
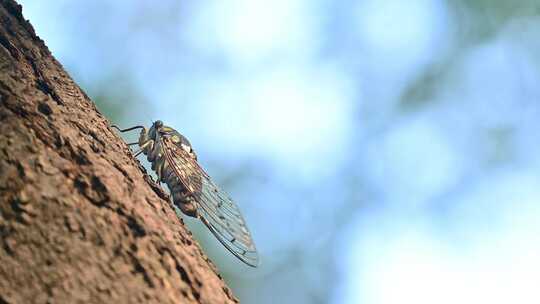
(79, 219)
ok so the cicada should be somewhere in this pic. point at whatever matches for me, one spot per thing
(192, 190)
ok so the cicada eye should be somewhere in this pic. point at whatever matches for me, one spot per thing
(158, 124)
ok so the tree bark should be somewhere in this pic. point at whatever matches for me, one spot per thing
(80, 221)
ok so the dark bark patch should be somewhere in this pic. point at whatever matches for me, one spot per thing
(59, 140)
(15, 10)
(44, 108)
(183, 274)
(138, 268)
(137, 229)
(3, 300)
(16, 106)
(77, 153)
(22, 212)
(43, 86)
(94, 190)
(185, 277)
(12, 50)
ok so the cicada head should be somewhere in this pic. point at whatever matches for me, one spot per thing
(151, 134)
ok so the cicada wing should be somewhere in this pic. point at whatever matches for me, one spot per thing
(221, 215)
(215, 208)
(183, 168)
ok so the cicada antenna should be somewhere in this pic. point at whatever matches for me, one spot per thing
(128, 129)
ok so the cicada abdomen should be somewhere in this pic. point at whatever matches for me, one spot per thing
(193, 192)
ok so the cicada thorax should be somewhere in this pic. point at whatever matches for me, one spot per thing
(152, 146)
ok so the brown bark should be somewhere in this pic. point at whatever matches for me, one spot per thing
(80, 221)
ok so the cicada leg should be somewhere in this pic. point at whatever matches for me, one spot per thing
(149, 143)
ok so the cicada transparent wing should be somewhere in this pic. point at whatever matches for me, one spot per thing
(214, 207)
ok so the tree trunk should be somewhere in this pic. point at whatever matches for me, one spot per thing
(80, 221)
